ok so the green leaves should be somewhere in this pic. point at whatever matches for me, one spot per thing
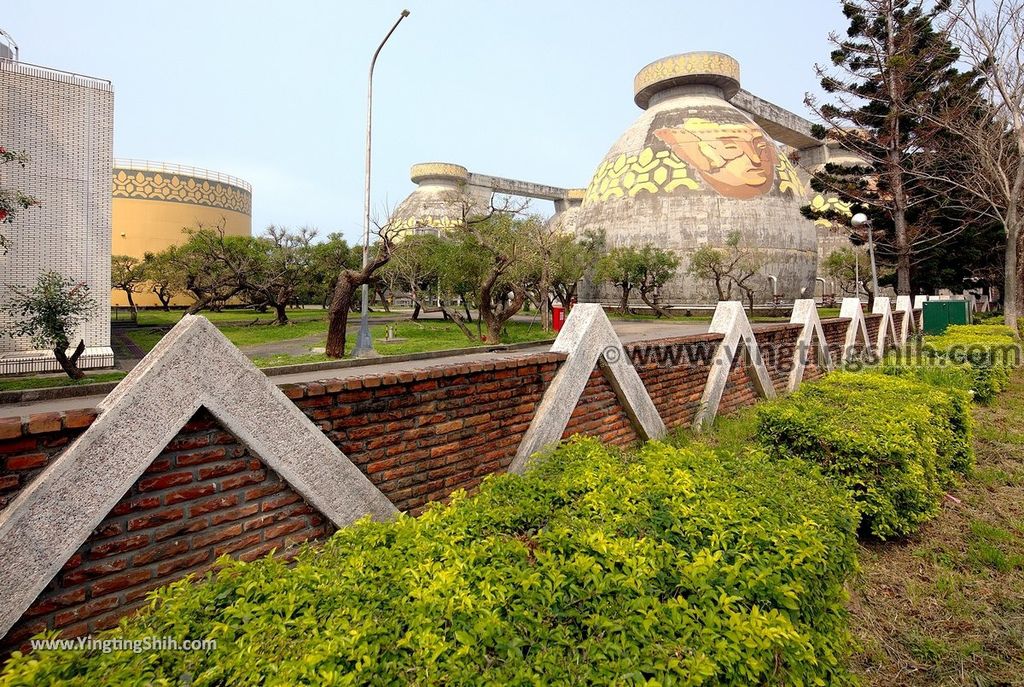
(894, 443)
(673, 566)
(50, 311)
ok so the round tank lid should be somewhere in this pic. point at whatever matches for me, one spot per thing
(713, 68)
(438, 170)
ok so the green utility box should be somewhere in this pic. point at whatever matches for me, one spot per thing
(940, 314)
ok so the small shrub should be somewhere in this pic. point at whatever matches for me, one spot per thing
(894, 443)
(988, 351)
(678, 565)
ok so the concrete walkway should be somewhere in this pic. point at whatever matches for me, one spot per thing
(628, 331)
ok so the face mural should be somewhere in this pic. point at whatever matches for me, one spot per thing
(736, 159)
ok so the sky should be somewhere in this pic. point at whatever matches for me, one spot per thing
(275, 92)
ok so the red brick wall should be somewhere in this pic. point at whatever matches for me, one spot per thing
(418, 436)
(204, 496)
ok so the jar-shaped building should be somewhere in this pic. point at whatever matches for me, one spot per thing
(693, 169)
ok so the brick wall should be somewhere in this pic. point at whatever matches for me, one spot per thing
(417, 435)
(205, 495)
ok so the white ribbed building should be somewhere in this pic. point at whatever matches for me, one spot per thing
(64, 122)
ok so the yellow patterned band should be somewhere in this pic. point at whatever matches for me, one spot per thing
(692, 67)
(429, 221)
(179, 188)
(575, 194)
(444, 170)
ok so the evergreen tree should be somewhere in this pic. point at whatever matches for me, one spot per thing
(893, 63)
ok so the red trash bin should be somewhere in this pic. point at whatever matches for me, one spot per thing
(557, 317)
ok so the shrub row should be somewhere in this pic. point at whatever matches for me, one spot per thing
(985, 353)
(894, 443)
(675, 565)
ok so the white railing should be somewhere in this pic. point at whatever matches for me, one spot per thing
(55, 74)
(186, 170)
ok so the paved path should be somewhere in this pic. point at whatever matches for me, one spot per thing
(628, 331)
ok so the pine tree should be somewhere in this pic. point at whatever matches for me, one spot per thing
(894, 60)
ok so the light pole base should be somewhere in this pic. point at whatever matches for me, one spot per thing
(364, 342)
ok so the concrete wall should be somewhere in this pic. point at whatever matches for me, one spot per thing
(65, 124)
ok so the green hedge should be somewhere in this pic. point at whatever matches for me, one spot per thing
(987, 351)
(894, 443)
(675, 565)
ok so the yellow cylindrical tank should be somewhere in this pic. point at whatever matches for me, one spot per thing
(155, 202)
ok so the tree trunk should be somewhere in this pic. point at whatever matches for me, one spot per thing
(70, 365)
(337, 317)
(652, 304)
(131, 304)
(454, 316)
(282, 313)
(545, 303)
(624, 301)
(1012, 269)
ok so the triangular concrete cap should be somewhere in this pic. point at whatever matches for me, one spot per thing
(905, 305)
(805, 312)
(193, 366)
(731, 321)
(887, 327)
(857, 329)
(587, 338)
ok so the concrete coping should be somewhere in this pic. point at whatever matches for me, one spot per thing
(701, 67)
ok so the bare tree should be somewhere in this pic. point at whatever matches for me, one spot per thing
(734, 265)
(283, 268)
(985, 155)
(349, 280)
(127, 273)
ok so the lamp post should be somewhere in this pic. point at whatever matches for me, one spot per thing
(364, 343)
(861, 220)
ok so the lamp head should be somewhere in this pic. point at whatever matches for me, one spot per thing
(859, 220)
(405, 13)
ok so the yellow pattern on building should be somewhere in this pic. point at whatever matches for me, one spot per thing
(788, 178)
(152, 209)
(429, 221)
(176, 188)
(821, 204)
(647, 171)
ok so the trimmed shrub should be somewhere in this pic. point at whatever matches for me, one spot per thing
(894, 443)
(988, 351)
(675, 565)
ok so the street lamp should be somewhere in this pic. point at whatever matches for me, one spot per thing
(861, 220)
(364, 343)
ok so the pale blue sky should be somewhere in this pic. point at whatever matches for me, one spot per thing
(274, 92)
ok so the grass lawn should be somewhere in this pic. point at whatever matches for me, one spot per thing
(419, 337)
(242, 316)
(44, 382)
(945, 606)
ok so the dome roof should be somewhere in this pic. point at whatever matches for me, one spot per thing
(692, 169)
(440, 201)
